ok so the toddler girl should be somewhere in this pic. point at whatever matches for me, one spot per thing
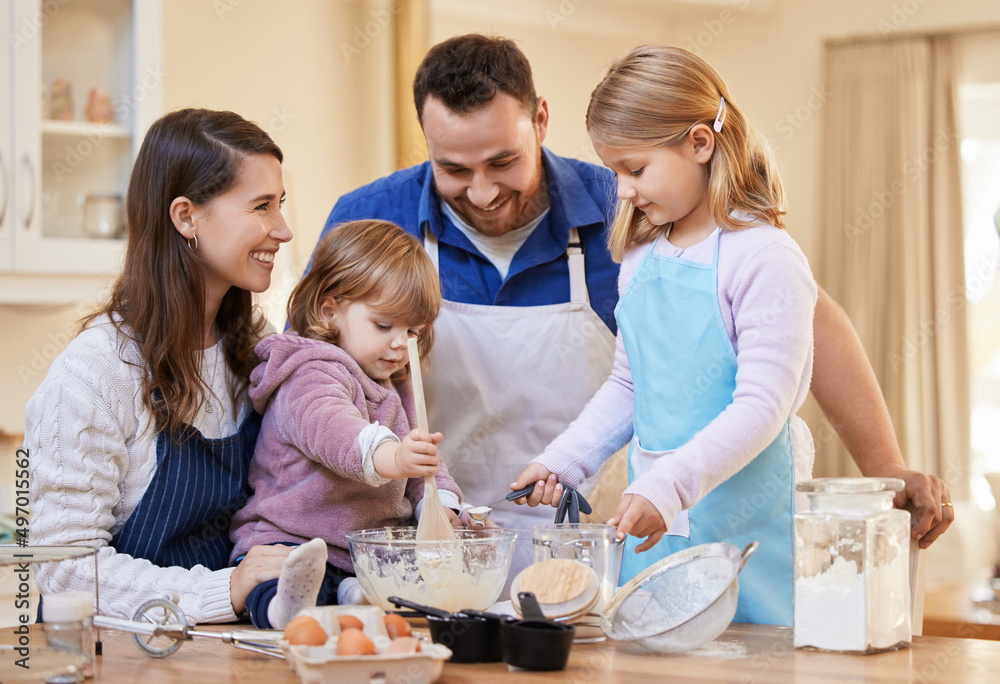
(336, 450)
(714, 349)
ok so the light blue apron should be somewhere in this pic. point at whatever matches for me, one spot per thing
(684, 374)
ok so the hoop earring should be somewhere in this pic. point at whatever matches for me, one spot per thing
(195, 248)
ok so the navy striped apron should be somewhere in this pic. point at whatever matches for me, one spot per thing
(199, 484)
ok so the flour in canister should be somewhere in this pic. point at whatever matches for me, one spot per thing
(842, 609)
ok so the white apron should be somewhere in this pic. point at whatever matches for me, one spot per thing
(504, 381)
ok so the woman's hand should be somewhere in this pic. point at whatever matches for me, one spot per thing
(547, 490)
(261, 563)
(637, 516)
(415, 456)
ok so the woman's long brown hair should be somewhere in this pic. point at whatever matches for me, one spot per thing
(158, 300)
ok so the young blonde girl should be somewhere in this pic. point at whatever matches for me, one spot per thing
(336, 450)
(715, 331)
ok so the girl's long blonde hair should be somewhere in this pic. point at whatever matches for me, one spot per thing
(375, 262)
(653, 96)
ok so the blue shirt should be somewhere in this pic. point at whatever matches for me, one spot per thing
(582, 196)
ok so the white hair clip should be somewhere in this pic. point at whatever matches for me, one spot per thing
(720, 117)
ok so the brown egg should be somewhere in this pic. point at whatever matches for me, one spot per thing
(353, 642)
(397, 626)
(404, 645)
(305, 631)
(349, 622)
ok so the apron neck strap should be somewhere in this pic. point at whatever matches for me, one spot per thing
(577, 269)
(574, 252)
(431, 246)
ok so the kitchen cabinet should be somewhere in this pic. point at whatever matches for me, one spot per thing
(85, 78)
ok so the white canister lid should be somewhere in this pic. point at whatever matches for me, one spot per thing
(67, 606)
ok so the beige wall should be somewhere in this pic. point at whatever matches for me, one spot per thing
(315, 74)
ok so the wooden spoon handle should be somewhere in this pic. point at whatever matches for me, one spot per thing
(418, 383)
(433, 523)
(420, 404)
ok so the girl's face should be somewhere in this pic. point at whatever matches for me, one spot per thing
(668, 183)
(375, 341)
(240, 230)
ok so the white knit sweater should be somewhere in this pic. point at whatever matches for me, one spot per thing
(92, 456)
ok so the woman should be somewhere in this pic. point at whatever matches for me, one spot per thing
(141, 433)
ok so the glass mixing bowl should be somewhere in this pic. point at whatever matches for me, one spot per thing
(451, 575)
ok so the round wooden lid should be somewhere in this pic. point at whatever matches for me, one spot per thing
(564, 588)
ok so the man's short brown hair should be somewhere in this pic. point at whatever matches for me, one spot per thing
(465, 72)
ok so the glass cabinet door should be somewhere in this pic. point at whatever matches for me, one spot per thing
(86, 80)
(86, 119)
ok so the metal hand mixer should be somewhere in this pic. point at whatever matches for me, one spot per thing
(158, 629)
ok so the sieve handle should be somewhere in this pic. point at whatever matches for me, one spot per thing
(747, 552)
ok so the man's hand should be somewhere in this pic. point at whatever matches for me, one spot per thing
(637, 516)
(923, 495)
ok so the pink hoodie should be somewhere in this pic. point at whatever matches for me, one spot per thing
(306, 475)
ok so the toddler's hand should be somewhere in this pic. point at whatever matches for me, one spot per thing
(547, 490)
(467, 521)
(637, 516)
(415, 456)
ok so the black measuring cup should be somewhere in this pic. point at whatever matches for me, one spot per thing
(535, 643)
(471, 638)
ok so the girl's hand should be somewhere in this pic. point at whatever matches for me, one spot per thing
(637, 516)
(415, 456)
(547, 491)
(261, 563)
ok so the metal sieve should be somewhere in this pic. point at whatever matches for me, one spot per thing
(681, 602)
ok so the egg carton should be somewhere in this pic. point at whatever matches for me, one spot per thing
(317, 664)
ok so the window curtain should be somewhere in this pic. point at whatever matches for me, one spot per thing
(411, 41)
(892, 241)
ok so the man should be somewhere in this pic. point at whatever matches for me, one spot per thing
(525, 338)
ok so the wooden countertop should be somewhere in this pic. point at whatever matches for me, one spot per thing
(949, 610)
(744, 653)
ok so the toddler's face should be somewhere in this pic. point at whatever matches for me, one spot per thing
(377, 342)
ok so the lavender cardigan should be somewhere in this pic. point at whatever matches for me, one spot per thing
(307, 472)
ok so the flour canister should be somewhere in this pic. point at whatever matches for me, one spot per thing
(852, 567)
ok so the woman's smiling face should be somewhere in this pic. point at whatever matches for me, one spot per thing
(240, 230)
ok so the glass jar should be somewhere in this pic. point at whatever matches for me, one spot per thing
(852, 567)
(68, 618)
(589, 543)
